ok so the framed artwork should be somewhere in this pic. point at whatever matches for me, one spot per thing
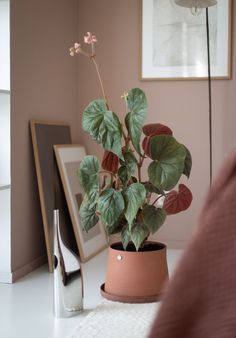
(51, 193)
(68, 160)
(174, 42)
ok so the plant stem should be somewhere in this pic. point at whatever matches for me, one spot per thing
(149, 195)
(141, 159)
(139, 173)
(158, 198)
(84, 53)
(106, 172)
(100, 80)
(126, 137)
(123, 133)
(113, 176)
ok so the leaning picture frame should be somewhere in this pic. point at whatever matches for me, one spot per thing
(174, 42)
(68, 159)
(51, 194)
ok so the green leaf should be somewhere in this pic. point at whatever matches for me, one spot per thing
(153, 217)
(187, 163)
(123, 175)
(169, 155)
(128, 167)
(134, 197)
(110, 205)
(103, 126)
(151, 188)
(87, 215)
(139, 233)
(111, 229)
(117, 226)
(125, 237)
(88, 175)
(129, 161)
(137, 106)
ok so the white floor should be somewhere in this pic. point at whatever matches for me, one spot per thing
(26, 307)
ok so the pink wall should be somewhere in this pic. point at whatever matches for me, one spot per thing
(43, 86)
(46, 86)
(183, 105)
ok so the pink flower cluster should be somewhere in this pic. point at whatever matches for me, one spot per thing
(75, 49)
(90, 39)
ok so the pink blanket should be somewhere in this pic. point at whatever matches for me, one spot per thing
(200, 301)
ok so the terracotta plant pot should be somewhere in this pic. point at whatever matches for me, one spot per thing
(135, 277)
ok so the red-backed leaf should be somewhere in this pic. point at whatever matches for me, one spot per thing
(156, 129)
(146, 145)
(177, 201)
(110, 162)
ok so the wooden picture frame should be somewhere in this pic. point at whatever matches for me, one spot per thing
(68, 159)
(44, 136)
(174, 42)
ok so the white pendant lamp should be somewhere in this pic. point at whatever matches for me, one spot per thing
(196, 3)
(196, 7)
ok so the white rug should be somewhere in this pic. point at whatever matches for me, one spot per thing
(117, 320)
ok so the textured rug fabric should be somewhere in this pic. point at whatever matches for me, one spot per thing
(200, 301)
(117, 320)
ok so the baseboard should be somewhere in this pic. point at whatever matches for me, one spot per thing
(5, 277)
(29, 267)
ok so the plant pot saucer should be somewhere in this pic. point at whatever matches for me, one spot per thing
(126, 299)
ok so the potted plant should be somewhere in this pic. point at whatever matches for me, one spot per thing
(125, 200)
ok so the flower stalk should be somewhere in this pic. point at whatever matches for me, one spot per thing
(100, 80)
(90, 39)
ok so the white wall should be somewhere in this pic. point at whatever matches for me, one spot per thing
(5, 239)
(5, 192)
(4, 138)
(4, 45)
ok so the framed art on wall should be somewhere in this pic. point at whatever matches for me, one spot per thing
(174, 42)
(68, 160)
(51, 194)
